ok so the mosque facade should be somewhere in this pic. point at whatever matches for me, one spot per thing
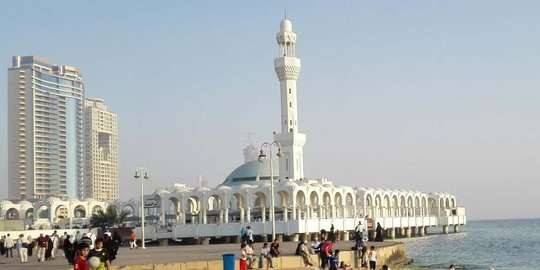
(302, 206)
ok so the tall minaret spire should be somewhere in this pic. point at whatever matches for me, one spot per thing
(287, 66)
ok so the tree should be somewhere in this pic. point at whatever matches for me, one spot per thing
(108, 218)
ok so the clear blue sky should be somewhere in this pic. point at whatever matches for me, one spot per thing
(426, 95)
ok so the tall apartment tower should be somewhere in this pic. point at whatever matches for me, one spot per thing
(45, 149)
(101, 151)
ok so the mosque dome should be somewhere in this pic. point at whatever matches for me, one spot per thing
(286, 25)
(251, 172)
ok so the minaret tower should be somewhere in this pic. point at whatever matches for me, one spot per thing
(287, 66)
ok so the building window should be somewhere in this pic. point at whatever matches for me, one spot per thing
(290, 104)
(290, 91)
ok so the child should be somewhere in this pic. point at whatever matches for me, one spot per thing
(243, 257)
(102, 254)
(372, 258)
(80, 261)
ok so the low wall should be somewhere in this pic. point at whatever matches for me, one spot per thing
(392, 255)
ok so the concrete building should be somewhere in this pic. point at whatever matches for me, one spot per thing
(101, 151)
(45, 104)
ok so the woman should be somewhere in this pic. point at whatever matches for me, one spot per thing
(69, 249)
(379, 230)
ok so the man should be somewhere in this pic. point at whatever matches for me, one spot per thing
(41, 247)
(102, 254)
(249, 235)
(8, 245)
(55, 243)
(22, 245)
(358, 238)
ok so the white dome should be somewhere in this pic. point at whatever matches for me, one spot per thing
(286, 25)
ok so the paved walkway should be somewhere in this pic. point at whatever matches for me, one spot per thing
(167, 254)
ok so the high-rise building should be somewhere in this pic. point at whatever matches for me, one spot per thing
(45, 105)
(101, 151)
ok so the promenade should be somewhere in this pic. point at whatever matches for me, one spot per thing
(163, 254)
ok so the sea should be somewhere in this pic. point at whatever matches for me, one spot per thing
(501, 244)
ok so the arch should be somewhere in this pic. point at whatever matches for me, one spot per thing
(417, 210)
(129, 210)
(432, 204)
(369, 206)
(43, 212)
(96, 209)
(378, 206)
(447, 203)
(395, 206)
(453, 203)
(338, 205)
(174, 206)
(327, 204)
(29, 214)
(441, 204)
(215, 203)
(349, 205)
(261, 201)
(424, 207)
(79, 212)
(61, 212)
(282, 199)
(403, 206)
(410, 206)
(12, 214)
(387, 211)
(314, 205)
(300, 200)
(193, 205)
(237, 202)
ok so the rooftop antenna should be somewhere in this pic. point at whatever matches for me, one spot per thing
(285, 14)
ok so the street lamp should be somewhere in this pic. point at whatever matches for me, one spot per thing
(142, 173)
(262, 156)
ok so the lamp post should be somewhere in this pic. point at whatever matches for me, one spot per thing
(142, 173)
(262, 156)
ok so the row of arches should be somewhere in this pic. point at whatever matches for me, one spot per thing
(295, 200)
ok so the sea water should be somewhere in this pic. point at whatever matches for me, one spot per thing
(502, 244)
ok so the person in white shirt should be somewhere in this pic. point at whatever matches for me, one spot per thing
(372, 258)
(8, 245)
(265, 254)
(55, 242)
(22, 244)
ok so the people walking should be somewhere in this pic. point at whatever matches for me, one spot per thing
(55, 244)
(8, 246)
(69, 249)
(133, 240)
(303, 251)
(249, 235)
(22, 247)
(41, 247)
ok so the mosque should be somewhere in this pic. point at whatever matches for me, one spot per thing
(273, 176)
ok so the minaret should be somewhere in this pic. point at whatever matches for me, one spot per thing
(287, 66)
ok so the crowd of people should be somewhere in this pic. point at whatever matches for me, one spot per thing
(326, 250)
(83, 251)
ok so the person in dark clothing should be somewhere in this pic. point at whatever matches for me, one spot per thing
(48, 251)
(111, 245)
(69, 249)
(379, 231)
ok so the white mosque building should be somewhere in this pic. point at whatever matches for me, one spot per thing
(302, 206)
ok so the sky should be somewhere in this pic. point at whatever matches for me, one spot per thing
(435, 96)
